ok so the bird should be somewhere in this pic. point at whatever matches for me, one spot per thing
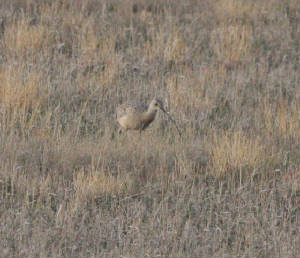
(132, 117)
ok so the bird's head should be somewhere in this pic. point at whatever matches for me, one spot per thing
(157, 104)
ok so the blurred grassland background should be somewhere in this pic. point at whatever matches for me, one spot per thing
(228, 72)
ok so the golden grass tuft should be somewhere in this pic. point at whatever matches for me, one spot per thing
(231, 11)
(232, 45)
(21, 97)
(235, 152)
(186, 91)
(99, 51)
(172, 48)
(90, 43)
(288, 119)
(22, 37)
(175, 50)
(283, 119)
(94, 184)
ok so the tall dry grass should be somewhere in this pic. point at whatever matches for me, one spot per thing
(228, 72)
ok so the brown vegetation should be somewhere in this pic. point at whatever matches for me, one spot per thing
(228, 72)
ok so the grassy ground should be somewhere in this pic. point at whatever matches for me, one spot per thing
(228, 72)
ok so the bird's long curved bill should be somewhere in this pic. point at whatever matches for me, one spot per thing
(173, 121)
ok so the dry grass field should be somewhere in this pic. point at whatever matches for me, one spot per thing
(226, 70)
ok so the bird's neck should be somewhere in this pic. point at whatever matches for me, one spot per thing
(151, 111)
(150, 114)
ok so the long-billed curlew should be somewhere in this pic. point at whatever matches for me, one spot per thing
(131, 117)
